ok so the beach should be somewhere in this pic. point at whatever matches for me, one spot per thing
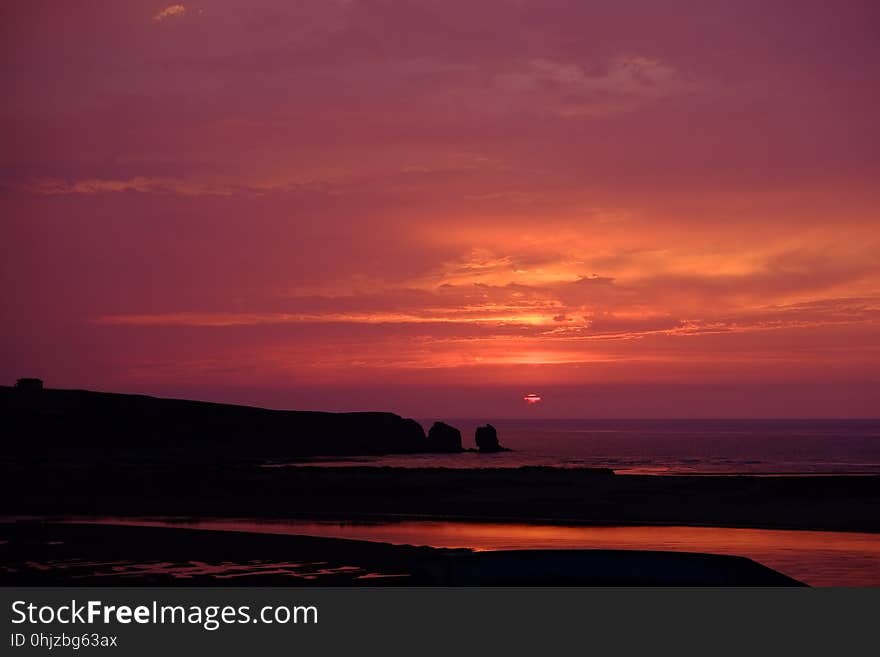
(585, 496)
(106, 500)
(53, 553)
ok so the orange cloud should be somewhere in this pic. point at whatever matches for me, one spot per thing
(286, 195)
(171, 11)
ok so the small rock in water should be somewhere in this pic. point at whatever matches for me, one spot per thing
(486, 438)
(444, 438)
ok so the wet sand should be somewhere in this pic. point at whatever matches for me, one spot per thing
(815, 558)
(38, 553)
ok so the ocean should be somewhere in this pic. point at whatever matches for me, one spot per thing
(757, 447)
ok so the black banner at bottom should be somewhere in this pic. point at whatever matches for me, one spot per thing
(407, 621)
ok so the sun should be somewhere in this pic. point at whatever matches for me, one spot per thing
(532, 398)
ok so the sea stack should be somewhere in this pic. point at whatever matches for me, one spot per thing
(486, 438)
(444, 438)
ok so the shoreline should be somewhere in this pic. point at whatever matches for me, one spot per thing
(88, 555)
(525, 495)
(391, 518)
(42, 548)
(620, 472)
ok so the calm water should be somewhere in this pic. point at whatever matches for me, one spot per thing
(669, 446)
(814, 557)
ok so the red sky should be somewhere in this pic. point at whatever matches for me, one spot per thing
(630, 208)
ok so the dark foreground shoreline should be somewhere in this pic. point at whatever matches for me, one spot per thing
(46, 553)
(525, 495)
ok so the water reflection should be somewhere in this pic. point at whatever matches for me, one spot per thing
(816, 557)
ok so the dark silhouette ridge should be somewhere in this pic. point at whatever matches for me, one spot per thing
(444, 438)
(486, 438)
(54, 487)
(86, 424)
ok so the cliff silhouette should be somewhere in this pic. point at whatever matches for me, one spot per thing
(77, 423)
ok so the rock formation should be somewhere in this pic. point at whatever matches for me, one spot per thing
(487, 439)
(444, 438)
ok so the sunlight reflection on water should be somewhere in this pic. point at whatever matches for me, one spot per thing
(818, 558)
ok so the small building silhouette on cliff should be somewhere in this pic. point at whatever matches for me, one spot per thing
(29, 385)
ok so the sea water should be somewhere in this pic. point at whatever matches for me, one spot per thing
(789, 447)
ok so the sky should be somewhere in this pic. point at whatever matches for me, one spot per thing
(629, 208)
